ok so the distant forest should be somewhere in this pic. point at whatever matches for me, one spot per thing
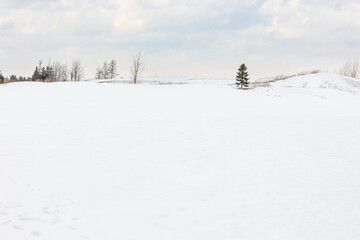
(60, 72)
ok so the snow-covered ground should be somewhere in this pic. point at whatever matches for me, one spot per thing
(313, 82)
(180, 161)
(172, 80)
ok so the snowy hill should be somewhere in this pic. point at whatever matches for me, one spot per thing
(321, 80)
(180, 161)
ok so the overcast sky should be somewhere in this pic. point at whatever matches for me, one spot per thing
(181, 37)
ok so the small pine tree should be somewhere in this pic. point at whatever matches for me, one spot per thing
(242, 77)
(13, 78)
(2, 79)
(43, 74)
(36, 75)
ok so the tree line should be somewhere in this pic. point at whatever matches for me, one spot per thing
(58, 72)
(110, 70)
(62, 72)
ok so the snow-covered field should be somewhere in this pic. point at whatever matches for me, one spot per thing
(180, 161)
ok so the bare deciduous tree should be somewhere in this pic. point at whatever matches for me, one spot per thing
(40, 64)
(99, 73)
(137, 66)
(56, 66)
(351, 69)
(54, 72)
(112, 69)
(105, 70)
(77, 70)
(64, 73)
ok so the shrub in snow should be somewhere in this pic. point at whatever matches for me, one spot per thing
(351, 69)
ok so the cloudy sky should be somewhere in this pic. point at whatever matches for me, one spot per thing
(181, 37)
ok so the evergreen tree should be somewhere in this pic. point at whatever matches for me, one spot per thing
(36, 75)
(2, 78)
(43, 74)
(242, 77)
(48, 74)
(13, 78)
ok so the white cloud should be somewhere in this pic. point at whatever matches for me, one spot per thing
(268, 34)
(299, 35)
(313, 20)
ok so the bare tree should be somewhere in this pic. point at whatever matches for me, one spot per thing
(99, 73)
(105, 70)
(64, 73)
(56, 66)
(40, 64)
(351, 69)
(137, 66)
(77, 70)
(112, 69)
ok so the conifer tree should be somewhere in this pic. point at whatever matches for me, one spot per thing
(36, 75)
(13, 77)
(242, 77)
(43, 74)
(1, 77)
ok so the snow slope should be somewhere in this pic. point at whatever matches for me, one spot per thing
(321, 80)
(114, 161)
